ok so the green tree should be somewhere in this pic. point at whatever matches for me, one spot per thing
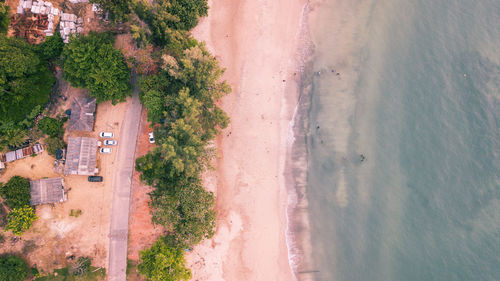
(4, 18)
(92, 62)
(52, 47)
(12, 137)
(197, 73)
(140, 35)
(154, 101)
(188, 12)
(180, 153)
(20, 219)
(25, 81)
(54, 144)
(163, 263)
(118, 9)
(51, 126)
(13, 268)
(16, 192)
(188, 212)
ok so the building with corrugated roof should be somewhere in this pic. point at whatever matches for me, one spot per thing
(81, 156)
(47, 191)
(82, 115)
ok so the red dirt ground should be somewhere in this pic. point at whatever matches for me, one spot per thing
(142, 233)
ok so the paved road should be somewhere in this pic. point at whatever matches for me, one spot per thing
(122, 182)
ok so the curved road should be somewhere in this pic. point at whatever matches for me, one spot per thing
(122, 182)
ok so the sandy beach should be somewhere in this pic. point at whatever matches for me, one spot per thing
(256, 41)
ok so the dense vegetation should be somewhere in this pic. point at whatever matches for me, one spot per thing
(16, 192)
(162, 25)
(92, 62)
(181, 102)
(163, 263)
(4, 18)
(51, 126)
(25, 86)
(182, 96)
(25, 80)
(52, 47)
(12, 268)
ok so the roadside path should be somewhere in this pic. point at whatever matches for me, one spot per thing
(122, 182)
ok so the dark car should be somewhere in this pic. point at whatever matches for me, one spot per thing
(59, 154)
(95, 178)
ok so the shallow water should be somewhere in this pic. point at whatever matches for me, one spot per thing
(418, 95)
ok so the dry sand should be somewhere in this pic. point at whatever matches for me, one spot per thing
(256, 42)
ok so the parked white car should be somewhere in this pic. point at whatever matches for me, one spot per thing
(151, 137)
(105, 150)
(110, 142)
(108, 135)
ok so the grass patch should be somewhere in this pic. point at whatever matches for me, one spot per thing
(75, 213)
(132, 273)
(64, 274)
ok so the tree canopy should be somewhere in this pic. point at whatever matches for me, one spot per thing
(187, 12)
(13, 268)
(188, 214)
(4, 18)
(187, 87)
(181, 101)
(92, 62)
(25, 80)
(52, 47)
(163, 263)
(164, 24)
(16, 192)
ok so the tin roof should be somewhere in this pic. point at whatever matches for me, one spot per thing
(81, 156)
(45, 191)
(82, 115)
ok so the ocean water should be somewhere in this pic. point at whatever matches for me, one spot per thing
(403, 145)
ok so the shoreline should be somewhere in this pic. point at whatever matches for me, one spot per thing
(253, 240)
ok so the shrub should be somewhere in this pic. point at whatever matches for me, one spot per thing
(16, 192)
(20, 219)
(81, 266)
(51, 126)
(53, 145)
(118, 9)
(12, 268)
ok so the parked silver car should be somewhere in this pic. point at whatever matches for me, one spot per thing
(108, 135)
(110, 142)
(105, 150)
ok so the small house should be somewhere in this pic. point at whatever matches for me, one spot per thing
(81, 156)
(82, 115)
(47, 191)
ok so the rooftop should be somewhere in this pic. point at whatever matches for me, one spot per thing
(82, 115)
(81, 156)
(46, 191)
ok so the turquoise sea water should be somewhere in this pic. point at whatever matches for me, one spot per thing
(418, 96)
